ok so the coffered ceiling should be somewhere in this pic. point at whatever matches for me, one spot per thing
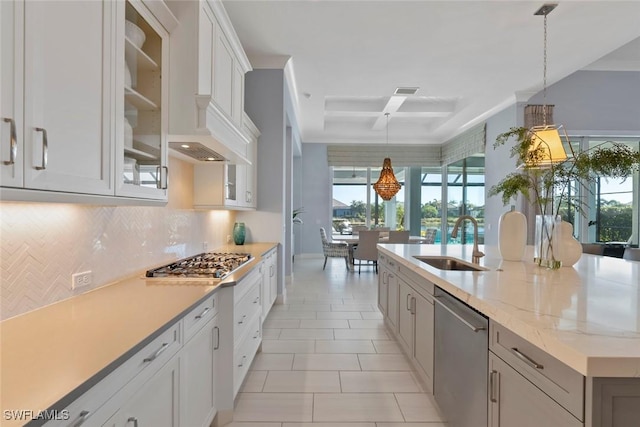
(469, 59)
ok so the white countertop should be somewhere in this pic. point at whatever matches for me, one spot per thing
(587, 316)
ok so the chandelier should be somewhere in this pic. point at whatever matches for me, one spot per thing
(387, 185)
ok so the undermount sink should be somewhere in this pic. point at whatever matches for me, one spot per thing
(448, 263)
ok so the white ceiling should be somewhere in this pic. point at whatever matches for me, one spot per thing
(469, 58)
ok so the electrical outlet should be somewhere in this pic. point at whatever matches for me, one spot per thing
(80, 280)
(205, 246)
(228, 238)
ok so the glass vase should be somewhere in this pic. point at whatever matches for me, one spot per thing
(238, 233)
(547, 241)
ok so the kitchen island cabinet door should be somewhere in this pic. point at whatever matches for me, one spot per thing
(383, 290)
(392, 301)
(514, 401)
(406, 320)
(423, 346)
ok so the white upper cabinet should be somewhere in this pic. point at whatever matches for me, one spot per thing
(65, 94)
(206, 88)
(143, 60)
(54, 66)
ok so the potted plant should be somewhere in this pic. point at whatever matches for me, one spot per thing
(544, 182)
(295, 214)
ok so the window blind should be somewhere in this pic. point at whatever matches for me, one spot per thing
(468, 143)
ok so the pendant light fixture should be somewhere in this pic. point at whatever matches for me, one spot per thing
(546, 141)
(387, 185)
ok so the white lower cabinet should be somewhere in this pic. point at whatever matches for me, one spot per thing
(198, 376)
(269, 271)
(156, 403)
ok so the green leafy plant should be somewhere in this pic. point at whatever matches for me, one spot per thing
(295, 214)
(547, 186)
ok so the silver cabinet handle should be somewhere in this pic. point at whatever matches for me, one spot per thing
(457, 316)
(82, 417)
(412, 306)
(242, 362)
(493, 383)
(257, 300)
(217, 346)
(155, 355)
(204, 313)
(45, 149)
(13, 151)
(407, 302)
(257, 335)
(133, 420)
(526, 359)
(384, 278)
(160, 182)
(241, 321)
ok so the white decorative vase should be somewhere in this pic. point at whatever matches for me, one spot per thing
(570, 248)
(512, 235)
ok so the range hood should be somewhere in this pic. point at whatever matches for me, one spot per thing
(212, 136)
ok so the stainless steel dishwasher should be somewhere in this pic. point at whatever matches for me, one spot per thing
(461, 358)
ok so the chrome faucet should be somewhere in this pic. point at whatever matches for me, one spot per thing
(475, 257)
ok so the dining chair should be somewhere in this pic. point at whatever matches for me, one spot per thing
(357, 229)
(631, 254)
(367, 249)
(593, 248)
(430, 236)
(384, 231)
(398, 236)
(333, 249)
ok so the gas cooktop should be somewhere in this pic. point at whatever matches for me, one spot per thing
(208, 265)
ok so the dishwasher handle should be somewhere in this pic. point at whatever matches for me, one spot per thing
(457, 316)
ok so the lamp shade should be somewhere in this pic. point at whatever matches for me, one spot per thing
(387, 185)
(547, 144)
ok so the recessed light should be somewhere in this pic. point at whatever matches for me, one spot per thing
(211, 159)
(185, 145)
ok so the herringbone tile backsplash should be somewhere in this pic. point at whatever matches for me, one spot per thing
(42, 245)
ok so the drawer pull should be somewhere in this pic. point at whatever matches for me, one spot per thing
(242, 362)
(155, 355)
(204, 312)
(133, 420)
(526, 359)
(217, 346)
(257, 300)
(82, 417)
(241, 321)
(257, 335)
(13, 151)
(45, 149)
(408, 302)
(492, 386)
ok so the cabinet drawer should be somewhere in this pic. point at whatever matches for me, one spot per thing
(244, 311)
(199, 316)
(415, 279)
(559, 381)
(245, 352)
(253, 278)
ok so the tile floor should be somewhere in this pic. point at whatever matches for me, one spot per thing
(327, 360)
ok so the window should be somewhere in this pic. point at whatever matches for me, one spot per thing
(465, 196)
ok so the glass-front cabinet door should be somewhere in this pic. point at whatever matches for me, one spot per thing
(141, 120)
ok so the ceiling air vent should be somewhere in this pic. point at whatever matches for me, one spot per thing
(406, 90)
(197, 151)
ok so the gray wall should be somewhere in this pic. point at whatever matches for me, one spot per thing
(316, 198)
(603, 101)
(265, 105)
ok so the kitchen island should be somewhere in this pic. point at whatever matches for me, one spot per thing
(585, 318)
(53, 355)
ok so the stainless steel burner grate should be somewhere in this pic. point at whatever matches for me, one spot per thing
(209, 265)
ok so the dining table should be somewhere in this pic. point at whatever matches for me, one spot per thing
(353, 242)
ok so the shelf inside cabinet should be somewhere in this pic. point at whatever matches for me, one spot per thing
(137, 57)
(139, 155)
(138, 100)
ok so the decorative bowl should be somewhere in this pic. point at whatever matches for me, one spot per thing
(127, 75)
(134, 33)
